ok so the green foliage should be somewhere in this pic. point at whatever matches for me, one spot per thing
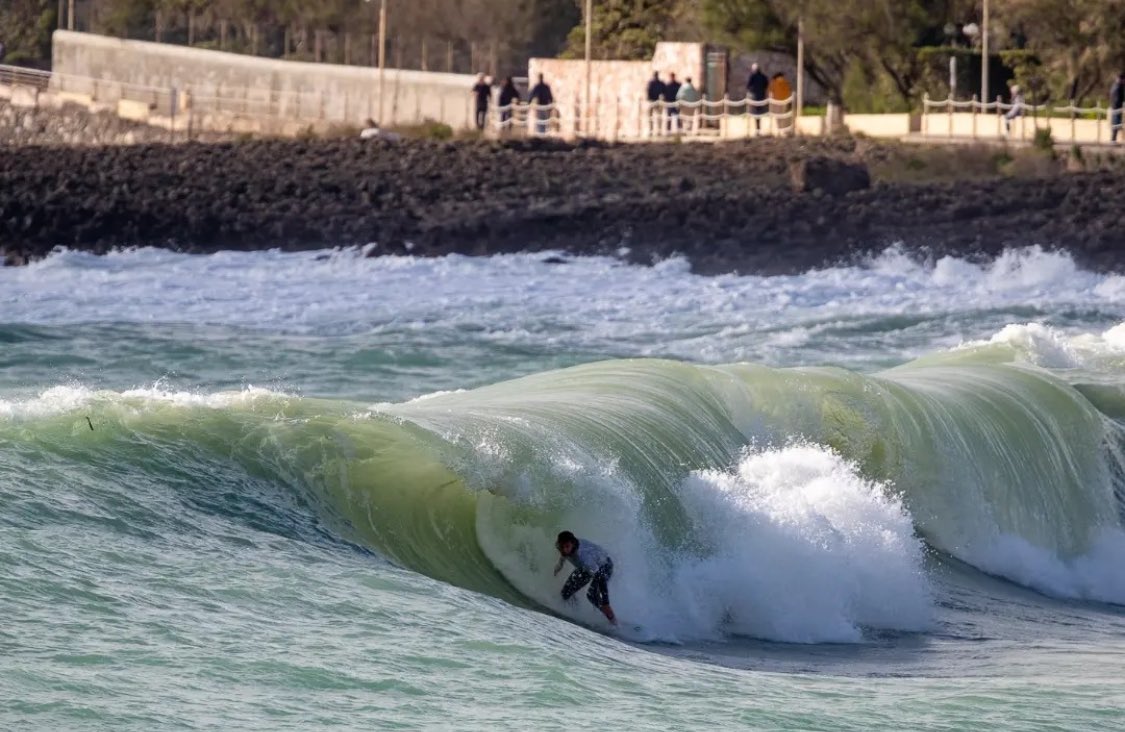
(622, 29)
(428, 130)
(25, 29)
(1080, 43)
(1027, 71)
(848, 42)
(872, 91)
(1043, 140)
(126, 18)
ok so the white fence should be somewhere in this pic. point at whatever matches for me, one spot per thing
(629, 120)
(972, 119)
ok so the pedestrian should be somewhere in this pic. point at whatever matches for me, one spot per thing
(780, 92)
(1016, 109)
(1116, 106)
(542, 98)
(757, 87)
(671, 92)
(654, 93)
(688, 99)
(372, 131)
(482, 90)
(781, 99)
(509, 98)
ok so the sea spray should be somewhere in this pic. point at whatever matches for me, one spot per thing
(802, 549)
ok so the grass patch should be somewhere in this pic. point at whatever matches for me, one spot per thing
(427, 130)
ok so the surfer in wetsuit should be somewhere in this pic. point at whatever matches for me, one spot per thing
(591, 564)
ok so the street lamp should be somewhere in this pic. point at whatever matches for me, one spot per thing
(984, 56)
(800, 106)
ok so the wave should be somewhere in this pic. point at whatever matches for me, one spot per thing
(789, 504)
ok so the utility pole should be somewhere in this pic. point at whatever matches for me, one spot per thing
(70, 17)
(984, 56)
(589, 48)
(382, 55)
(800, 76)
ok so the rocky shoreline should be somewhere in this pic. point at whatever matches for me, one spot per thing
(726, 207)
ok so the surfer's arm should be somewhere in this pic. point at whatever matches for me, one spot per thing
(559, 564)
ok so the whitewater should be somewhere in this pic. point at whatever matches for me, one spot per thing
(318, 490)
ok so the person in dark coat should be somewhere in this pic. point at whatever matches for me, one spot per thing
(671, 90)
(655, 90)
(757, 88)
(509, 96)
(541, 96)
(1116, 105)
(483, 93)
(655, 95)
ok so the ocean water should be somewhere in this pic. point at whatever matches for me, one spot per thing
(276, 491)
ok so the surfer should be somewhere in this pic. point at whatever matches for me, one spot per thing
(591, 564)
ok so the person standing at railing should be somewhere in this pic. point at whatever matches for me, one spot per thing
(482, 90)
(781, 95)
(509, 97)
(542, 98)
(687, 98)
(655, 95)
(671, 93)
(1116, 106)
(1016, 109)
(757, 86)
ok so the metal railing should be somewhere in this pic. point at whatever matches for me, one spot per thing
(20, 76)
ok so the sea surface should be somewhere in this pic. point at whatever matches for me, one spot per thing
(268, 491)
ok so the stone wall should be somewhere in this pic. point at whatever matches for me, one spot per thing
(110, 69)
(617, 88)
(28, 117)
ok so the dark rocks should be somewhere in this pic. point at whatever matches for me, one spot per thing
(727, 208)
(828, 175)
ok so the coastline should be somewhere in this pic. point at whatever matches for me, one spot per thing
(726, 207)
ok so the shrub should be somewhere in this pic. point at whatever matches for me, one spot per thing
(1043, 140)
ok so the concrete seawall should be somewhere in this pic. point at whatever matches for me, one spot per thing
(235, 85)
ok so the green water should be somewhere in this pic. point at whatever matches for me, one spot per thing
(223, 504)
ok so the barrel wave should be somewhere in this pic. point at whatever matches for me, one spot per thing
(800, 505)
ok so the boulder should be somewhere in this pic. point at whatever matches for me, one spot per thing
(829, 175)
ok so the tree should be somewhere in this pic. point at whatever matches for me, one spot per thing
(623, 29)
(874, 38)
(25, 29)
(1080, 43)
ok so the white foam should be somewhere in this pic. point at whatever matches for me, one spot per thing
(792, 545)
(803, 550)
(1054, 348)
(593, 304)
(66, 399)
(1098, 574)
